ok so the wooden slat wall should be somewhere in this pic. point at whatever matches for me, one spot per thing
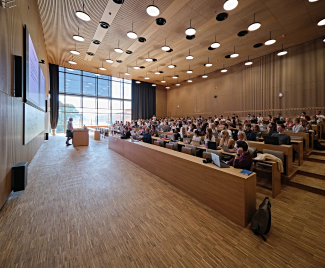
(299, 75)
(11, 109)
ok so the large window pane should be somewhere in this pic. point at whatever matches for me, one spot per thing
(103, 119)
(89, 85)
(117, 110)
(61, 82)
(104, 106)
(116, 90)
(103, 87)
(127, 111)
(73, 104)
(89, 119)
(76, 119)
(88, 74)
(127, 91)
(72, 83)
(60, 127)
(89, 102)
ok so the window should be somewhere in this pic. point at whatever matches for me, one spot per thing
(92, 100)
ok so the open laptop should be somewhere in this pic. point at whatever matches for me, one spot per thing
(196, 143)
(212, 145)
(187, 140)
(271, 140)
(226, 148)
(217, 162)
(133, 140)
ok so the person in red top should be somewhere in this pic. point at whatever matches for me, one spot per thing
(243, 158)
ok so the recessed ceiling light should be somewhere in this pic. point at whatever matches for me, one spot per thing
(119, 61)
(171, 50)
(165, 47)
(72, 62)
(190, 37)
(78, 38)
(102, 68)
(190, 31)
(75, 52)
(153, 85)
(90, 53)
(82, 14)
(242, 33)
(128, 52)
(142, 67)
(321, 22)
(154, 59)
(142, 39)
(119, 2)
(221, 16)
(104, 25)
(161, 72)
(160, 21)
(138, 82)
(96, 42)
(230, 5)
(211, 48)
(270, 41)
(258, 45)
(132, 34)
(153, 11)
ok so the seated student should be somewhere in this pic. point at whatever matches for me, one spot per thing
(243, 158)
(183, 133)
(257, 131)
(176, 135)
(214, 129)
(260, 123)
(303, 115)
(196, 136)
(209, 136)
(269, 118)
(250, 134)
(221, 118)
(191, 129)
(173, 126)
(249, 117)
(233, 116)
(225, 139)
(211, 123)
(220, 125)
(166, 127)
(240, 127)
(127, 133)
(288, 122)
(313, 120)
(140, 130)
(154, 132)
(297, 127)
(283, 138)
(146, 137)
(233, 123)
(271, 129)
(319, 116)
(306, 125)
(253, 120)
(158, 126)
(260, 117)
(198, 125)
(279, 117)
(228, 130)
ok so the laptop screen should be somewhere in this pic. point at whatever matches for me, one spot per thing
(215, 159)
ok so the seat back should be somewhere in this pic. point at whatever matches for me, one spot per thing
(297, 138)
(175, 144)
(277, 154)
(156, 143)
(186, 150)
(206, 155)
(193, 148)
(169, 146)
(217, 152)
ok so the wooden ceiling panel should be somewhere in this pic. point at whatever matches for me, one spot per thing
(291, 21)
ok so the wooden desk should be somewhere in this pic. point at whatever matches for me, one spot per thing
(80, 137)
(225, 190)
(304, 135)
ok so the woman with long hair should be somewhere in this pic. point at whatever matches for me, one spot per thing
(225, 139)
(209, 136)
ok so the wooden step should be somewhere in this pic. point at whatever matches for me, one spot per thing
(308, 183)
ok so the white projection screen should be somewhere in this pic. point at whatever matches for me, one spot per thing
(34, 122)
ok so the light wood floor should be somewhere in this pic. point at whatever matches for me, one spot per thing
(90, 207)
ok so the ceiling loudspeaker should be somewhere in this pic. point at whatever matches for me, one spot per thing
(215, 96)
(119, 2)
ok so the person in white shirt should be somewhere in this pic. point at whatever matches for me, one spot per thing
(319, 116)
(303, 115)
(228, 130)
(260, 118)
(69, 131)
(196, 136)
(297, 127)
(209, 136)
(241, 137)
(249, 117)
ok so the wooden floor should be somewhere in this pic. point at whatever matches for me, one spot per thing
(90, 207)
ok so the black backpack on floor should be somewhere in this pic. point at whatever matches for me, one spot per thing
(261, 220)
(318, 146)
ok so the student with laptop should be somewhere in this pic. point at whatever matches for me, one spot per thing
(243, 158)
(146, 137)
(126, 134)
(209, 136)
(196, 136)
(154, 132)
(225, 139)
(283, 138)
(271, 129)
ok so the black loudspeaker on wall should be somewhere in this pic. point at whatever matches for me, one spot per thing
(18, 76)
(19, 176)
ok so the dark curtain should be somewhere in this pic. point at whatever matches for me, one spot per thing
(143, 100)
(54, 91)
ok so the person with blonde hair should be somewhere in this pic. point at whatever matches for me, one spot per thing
(241, 137)
(183, 132)
(225, 139)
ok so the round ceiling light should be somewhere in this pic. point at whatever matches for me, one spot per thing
(189, 57)
(258, 45)
(167, 87)
(248, 63)
(189, 80)
(154, 59)
(153, 11)
(208, 64)
(160, 21)
(175, 76)
(153, 85)
(178, 84)
(321, 22)
(132, 35)
(138, 82)
(204, 76)
(128, 52)
(171, 66)
(242, 33)
(90, 53)
(136, 67)
(230, 5)
(215, 45)
(270, 41)
(102, 68)
(190, 37)
(163, 81)
(109, 61)
(146, 78)
(189, 71)
(96, 42)
(127, 73)
(281, 53)
(324, 40)
(72, 62)
(190, 31)
(235, 55)
(118, 50)
(70, 69)
(142, 67)
(224, 70)
(165, 48)
(313, 1)
(119, 61)
(221, 16)
(148, 59)
(78, 38)
(104, 25)
(157, 72)
(83, 15)
(254, 26)
(75, 52)
(142, 39)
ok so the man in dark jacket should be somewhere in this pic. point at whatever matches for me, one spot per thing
(243, 158)
(146, 136)
(283, 138)
(250, 134)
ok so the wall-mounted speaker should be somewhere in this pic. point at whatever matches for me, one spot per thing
(18, 76)
(46, 106)
(215, 96)
(19, 176)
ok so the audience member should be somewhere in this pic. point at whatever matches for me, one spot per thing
(225, 139)
(297, 127)
(250, 134)
(166, 128)
(209, 136)
(271, 129)
(196, 136)
(260, 117)
(154, 132)
(283, 138)
(253, 120)
(257, 131)
(319, 117)
(126, 134)
(146, 137)
(243, 158)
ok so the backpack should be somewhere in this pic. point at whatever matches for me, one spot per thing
(318, 146)
(261, 220)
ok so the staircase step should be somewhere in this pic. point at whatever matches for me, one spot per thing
(308, 183)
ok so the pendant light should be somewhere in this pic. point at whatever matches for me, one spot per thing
(321, 22)
(132, 34)
(168, 87)
(165, 47)
(118, 49)
(109, 60)
(97, 74)
(248, 62)
(224, 70)
(78, 37)
(204, 76)
(163, 81)
(189, 79)
(282, 52)
(102, 68)
(136, 67)
(171, 65)
(147, 77)
(70, 69)
(153, 85)
(148, 59)
(189, 71)
(235, 55)
(270, 41)
(208, 64)
(152, 10)
(230, 4)
(75, 51)
(175, 76)
(127, 71)
(189, 56)
(157, 71)
(190, 31)
(178, 84)
(71, 61)
(215, 44)
(138, 82)
(254, 26)
(82, 14)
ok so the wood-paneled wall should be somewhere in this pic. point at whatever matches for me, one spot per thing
(161, 101)
(299, 76)
(11, 109)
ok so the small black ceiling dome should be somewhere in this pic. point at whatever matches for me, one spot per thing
(227, 57)
(211, 48)
(221, 16)
(160, 21)
(104, 25)
(96, 42)
(142, 67)
(154, 59)
(119, 2)
(258, 45)
(128, 52)
(190, 37)
(142, 39)
(171, 50)
(242, 33)
(161, 72)
(90, 54)
(119, 61)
